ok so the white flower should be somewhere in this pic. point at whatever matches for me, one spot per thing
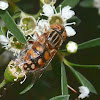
(60, 17)
(97, 5)
(11, 44)
(71, 47)
(84, 92)
(43, 24)
(27, 24)
(3, 4)
(65, 13)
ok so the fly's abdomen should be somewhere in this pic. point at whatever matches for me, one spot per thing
(36, 57)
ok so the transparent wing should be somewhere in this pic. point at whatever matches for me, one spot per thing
(38, 73)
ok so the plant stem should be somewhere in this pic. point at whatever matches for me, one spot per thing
(38, 14)
(3, 83)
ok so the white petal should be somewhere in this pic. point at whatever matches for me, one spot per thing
(48, 10)
(3, 4)
(67, 13)
(71, 47)
(84, 92)
(43, 24)
(3, 40)
(70, 31)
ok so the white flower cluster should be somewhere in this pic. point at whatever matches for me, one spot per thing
(97, 5)
(61, 17)
(30, 27)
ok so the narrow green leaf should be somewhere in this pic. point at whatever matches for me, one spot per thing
(61, 97)
(83, 81)
(64, 87)
(86, 3)
(89, 44)
(71, 3)
(0, 30)
(86, 66)
(2, 50)
(12, 26)
(27, 88)
(17, 15)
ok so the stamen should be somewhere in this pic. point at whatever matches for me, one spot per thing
(23, 79)
(54, 9)
(42, 14)
(16, 77)
(31, 36)
(7, 34)
(72, 89)
(38, 18)
(73, 23)
(60, 8)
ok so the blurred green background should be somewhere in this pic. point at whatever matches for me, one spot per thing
(48, 85)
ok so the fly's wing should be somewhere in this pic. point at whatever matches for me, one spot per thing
(23, 52)
(38, 73)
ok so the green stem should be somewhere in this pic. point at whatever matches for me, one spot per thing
(75, 65)
(38, 14)
(3, 83)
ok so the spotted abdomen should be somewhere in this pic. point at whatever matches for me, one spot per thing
(36, 57)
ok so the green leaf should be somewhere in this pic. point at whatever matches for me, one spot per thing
(64, 87)
(86, 66)
(2, 50)
(12, 26)
(75, 19)
(71, 3)
(83, 81)
(27, 88)
(0, 30)
(86, 3)
(61, 97)
(17, 15)
(89, 44)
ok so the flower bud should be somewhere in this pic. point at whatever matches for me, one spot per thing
(14, 45)
(72, 47)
